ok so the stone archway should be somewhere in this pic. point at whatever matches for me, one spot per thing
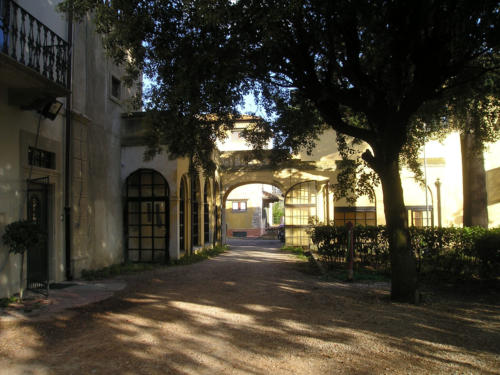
(237, 170)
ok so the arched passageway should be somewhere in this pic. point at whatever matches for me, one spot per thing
(307, 199)
(306, 188)
(248, 210)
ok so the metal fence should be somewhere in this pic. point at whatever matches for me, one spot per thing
(31, 43)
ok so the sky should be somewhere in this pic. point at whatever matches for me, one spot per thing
(249, 107)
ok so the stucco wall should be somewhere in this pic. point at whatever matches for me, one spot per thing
(18, 130)
(492, 165)
(249, 221)
(174, 171)
(443, 161)
(96, 188)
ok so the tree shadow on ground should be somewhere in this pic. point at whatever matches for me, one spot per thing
(250, 311)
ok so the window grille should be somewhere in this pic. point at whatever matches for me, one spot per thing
(239, 206)
(41, 158)
(182, 216)
(420, 216)
(147, 216)
(195, 223)
(300, 208)
(365, 216)
(206, 213)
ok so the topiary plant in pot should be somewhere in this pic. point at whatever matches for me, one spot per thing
(22, 236)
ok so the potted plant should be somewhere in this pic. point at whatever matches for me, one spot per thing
(22, 236)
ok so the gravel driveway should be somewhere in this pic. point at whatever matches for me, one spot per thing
(251, 311)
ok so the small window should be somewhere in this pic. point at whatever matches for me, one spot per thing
(41, 158)
(365, 216)
(239, 206)
(116, 88)
(420, 216)
(236, 135)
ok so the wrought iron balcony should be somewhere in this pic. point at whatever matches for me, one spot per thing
(31, 43)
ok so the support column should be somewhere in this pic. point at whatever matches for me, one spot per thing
(174, 246)
(438, 198)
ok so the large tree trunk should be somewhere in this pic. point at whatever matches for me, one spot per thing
(474, 182)
(403, 266)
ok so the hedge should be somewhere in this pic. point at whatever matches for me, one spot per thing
(452, 253)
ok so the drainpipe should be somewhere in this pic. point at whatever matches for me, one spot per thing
(67, 169)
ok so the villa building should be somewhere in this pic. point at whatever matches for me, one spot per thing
(71, 160)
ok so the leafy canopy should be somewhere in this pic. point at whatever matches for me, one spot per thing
(21, 236)
(363, 68)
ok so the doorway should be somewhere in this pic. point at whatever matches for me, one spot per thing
(38, 213)
(147, 217)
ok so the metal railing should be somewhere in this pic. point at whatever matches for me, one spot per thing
(31, 43)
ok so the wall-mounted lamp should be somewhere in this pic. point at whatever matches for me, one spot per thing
(51, 109)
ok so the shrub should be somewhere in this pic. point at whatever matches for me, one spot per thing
(445, 253)
(197, 257)
(488, 250)
(22, 236)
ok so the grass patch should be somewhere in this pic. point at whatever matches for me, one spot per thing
(308, 265)
(361, 273)
(198, 257)
(4, 302)
(128, 268)
(297, 251)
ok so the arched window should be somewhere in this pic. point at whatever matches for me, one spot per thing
(300, 207)
(195, 206)
(206, 212)
(147, 216)
(182, 215)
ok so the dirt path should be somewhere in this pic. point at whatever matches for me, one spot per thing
(250, 311)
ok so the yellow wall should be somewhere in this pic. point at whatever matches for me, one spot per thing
(252, 195)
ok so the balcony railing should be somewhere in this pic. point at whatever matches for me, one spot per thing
(28, 41)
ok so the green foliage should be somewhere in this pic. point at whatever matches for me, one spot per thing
(21, 236)
(314, 71)
(4, 302)
(442, 253)
(488, 249)
(473, 108)
(278, 212)
(308, 264)
(199, 256)
(355, 178)
(371, 245)
(297, 251)
(127, 268)
(363, 69)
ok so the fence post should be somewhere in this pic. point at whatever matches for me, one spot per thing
(350, 250)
